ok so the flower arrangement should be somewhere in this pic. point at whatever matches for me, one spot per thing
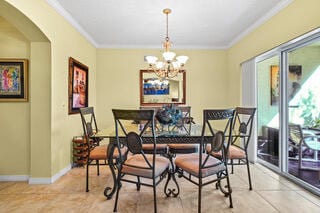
(169, 115)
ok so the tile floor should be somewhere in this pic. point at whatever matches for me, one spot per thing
(271, 193)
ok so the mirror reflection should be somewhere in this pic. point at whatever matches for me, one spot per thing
(158, 91)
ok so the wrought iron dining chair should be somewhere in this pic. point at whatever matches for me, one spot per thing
(138, 164)
(201, 168)
(304, 143)
(162, 149)
(185, 126)
(242, 129)
(95, 151)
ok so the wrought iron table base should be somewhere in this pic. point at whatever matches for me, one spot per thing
(171, 174)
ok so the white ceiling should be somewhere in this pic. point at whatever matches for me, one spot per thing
(200, 24)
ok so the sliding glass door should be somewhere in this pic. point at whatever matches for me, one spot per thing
(288, 110)
(268, 84)
(303, 96)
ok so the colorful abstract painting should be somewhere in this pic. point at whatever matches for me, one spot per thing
(13, 80)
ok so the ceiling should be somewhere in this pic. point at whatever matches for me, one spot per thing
(193, 24)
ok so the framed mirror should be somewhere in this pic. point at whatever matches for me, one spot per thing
(157, 91)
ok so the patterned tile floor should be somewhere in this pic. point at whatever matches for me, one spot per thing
(271, 193)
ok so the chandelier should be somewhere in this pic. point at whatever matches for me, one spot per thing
(170, 66)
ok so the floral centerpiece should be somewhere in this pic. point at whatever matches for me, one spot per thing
(169, 115)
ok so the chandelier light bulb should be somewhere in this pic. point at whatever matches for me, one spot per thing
(168, 56)
(182, 59)
(151, 59)
(159, 64)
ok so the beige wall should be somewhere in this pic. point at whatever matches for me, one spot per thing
(298, 18)
(65, 42)
(40, 122)
(14, 116)
(118, 80)
(213, 78)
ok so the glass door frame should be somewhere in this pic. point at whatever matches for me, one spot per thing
(282, 52)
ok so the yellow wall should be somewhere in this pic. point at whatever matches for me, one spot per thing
(118, 80)
(65, 42)
(14, 116)
(296, 19)
(40, 99)
(213, 77)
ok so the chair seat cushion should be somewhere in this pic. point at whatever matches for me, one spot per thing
(137, 165)
(234, 153)
(190, 164)
(100, 152)
(183, 148)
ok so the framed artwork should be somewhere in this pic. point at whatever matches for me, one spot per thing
(13, 80)
(275, 83)
(294, 80)
(78, 85)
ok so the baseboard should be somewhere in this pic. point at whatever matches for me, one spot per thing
(52, 179)
(14, 178)
(49, 180)
(61, 173)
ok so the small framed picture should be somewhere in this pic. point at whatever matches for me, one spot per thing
(78, 85)
(13, 80)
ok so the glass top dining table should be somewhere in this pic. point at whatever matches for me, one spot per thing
(191, 136)
(194, 131)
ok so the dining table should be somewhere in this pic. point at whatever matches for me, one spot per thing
(194, 136)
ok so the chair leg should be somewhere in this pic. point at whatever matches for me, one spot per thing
(154, 196)
(87, 178)
(199, 195)
(229, 190)
(231, 166)
(138, 183)
(300, 157)
(98, 170)
(117, 196)
(249, 175)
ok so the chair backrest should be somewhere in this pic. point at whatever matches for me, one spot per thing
(184, 123)
(217, 123)
(129, 134)
(295, 134)
(242, 124)
(89, 123)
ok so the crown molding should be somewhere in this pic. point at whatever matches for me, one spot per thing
(57, 6)
(260, 21)
(158, 47)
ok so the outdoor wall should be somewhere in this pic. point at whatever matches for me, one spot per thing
(118, 80)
